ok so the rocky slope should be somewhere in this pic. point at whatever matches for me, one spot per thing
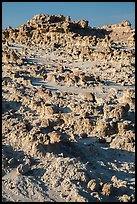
(68, 111)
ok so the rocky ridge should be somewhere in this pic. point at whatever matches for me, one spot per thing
(72, 114)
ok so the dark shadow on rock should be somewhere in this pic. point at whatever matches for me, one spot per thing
(131, 116)
(13, 107)
(9, 153)
(38, 82)
(7, 105)
(94, 155)
(89, 31)
(33, 177)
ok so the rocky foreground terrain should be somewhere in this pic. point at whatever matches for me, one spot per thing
(68, 111)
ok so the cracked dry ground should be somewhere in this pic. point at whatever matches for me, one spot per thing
(61, 142)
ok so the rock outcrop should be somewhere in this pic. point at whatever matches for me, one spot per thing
(68, 111)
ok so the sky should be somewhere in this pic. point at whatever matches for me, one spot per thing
(97, 13)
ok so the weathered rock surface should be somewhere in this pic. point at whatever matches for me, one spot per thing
(68, 111)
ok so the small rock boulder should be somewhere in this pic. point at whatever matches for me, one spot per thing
(88, 96)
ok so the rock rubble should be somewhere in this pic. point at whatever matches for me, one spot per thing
(68, 110)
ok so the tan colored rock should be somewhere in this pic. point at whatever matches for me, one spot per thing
(56, 137)
(129, 97)
(107, 189)
(106, 127)
(88, 96)
(125, 198)
(5, 56)
(38, 149)
(118, 183)
(120, 111)
(93, 186)
(125, 142)
(23, 168)
(107, 109)
(38, 121)
(83, 23)
(123, 126)
(125, 23)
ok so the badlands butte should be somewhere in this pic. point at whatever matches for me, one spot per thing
(68, 111)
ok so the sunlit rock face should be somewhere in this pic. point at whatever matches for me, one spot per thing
(68, 111)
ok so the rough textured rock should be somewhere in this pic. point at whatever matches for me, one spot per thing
(126, 142)
(88, 96)
(23, 169)
(106, 189)
(68, 106)
(93, 185)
